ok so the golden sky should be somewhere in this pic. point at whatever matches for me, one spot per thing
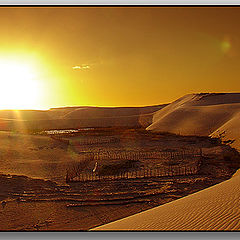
(112, 56)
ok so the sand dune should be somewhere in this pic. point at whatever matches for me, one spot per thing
(193, 114)
(201, 114)
(214, 208)
(102, 112)
(25, 114)
(231, 130)
(77, 117)
(77, 112)
(48, 124)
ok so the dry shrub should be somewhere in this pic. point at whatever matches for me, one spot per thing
(75, 169)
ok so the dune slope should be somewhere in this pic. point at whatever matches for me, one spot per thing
(201, 114)
(214, 208)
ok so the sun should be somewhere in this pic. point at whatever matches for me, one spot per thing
(19, 87)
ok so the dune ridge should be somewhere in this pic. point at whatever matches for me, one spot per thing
(103, 112)
(77, 117)
(213, 209)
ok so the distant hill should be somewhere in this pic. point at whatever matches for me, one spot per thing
(25, 114)
(77, 117)
(102, 112)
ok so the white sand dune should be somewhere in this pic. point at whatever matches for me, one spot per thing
(201, 114)
(214, 208)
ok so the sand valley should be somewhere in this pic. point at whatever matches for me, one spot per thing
(90, 175)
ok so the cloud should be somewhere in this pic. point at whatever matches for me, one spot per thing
(81, 67)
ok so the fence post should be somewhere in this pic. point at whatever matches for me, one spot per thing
(67, 176)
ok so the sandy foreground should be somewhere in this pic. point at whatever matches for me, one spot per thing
(215, 208)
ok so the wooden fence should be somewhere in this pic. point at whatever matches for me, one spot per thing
(140, 155)
(139, 173)
(94, 141)
(75, 173)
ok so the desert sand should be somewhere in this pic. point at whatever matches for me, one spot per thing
(206, 114)
(214, 208)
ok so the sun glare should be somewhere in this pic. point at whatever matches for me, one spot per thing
(19, 86)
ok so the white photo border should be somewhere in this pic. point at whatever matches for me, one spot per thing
(119, 235)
